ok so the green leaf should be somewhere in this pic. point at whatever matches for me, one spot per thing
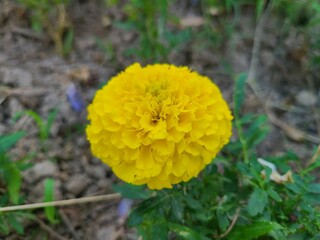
(223, 220)
(193, 203)
(68, 41)
(257, 202)
(12, 177)
(125, 25)
(8, 141)
(253, 231)
(274, 195)
(137, 215)
(14, 222)
(314, 188)
(259, 7)
(51, 117)
(186, 233)
(131, 191)
(177, 208)
(312, 167)
(4, 228)
(4, 200)
(153, 230)
(295, 188)
(311, 198)
(244, 169)
(36, 117)
(239, 93)
(257, 131)
(50, 212)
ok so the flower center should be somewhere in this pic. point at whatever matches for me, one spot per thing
(157, 89)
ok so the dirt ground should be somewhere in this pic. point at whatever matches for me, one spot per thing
(33, 77)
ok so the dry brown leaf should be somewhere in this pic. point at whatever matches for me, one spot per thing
(214, 11)
(191, 21)
(34, 92)
(81, 74)
(275, 175)
(105, 21)
(292, 132)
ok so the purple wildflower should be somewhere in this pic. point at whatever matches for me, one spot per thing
(74, 98)
(124, 208)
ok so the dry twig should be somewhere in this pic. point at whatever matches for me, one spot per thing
(28, 33)
(63, 202)
(292, 132)
(22, 92)
(69, 225)
(48, 229)
(315, 156)
(234, 220)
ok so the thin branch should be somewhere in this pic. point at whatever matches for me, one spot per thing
(63, 202)
(258, 35)
(290, 131)
(315, 157)
(69, 225)
(48, 229)
(234, 220)
(28, 33)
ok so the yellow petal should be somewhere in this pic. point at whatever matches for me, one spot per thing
(129, 138)
(145, 158)
(179, 165)
(159, 131)
(155, 183)
(163, 147)
(146, 122)
(174, 135)
(194, 148)
(185, 122)
(125, 171)
(211, 142)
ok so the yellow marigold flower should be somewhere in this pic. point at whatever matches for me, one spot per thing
(158, 125)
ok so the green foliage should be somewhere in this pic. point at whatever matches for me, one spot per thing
(50, 16)
(107, 49)
(132, 191)
(10, 184)
(9, 170)
(232, 199)
(43, 126)
(50, 211)
(302, 16)
(7, 142)
(253, 231)
(9, 221)
(149, 19)
(220, 18)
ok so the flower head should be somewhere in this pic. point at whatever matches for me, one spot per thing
(158, 125)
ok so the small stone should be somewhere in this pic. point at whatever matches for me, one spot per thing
(41, 170)
(106, 233)
(18, 77)
(15, 106)
(306, 98)
(2, 129)
(3, 58)
(97, 172)
(105, 185)
(77, 184)
(267, 58)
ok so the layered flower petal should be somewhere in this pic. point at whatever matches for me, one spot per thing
(158, 125)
